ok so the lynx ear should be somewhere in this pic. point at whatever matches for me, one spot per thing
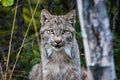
(70, 17)
(45, 16)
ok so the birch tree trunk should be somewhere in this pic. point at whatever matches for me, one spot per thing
(97, 39)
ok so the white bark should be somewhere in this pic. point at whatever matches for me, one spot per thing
(97, 39)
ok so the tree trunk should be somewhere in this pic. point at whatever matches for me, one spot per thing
(20, 25)
(97, 39)
(50, 5)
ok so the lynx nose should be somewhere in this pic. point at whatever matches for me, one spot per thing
(57, 40)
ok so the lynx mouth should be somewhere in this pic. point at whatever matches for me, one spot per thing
(57, 46)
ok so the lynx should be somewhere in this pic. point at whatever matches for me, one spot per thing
(60, 58)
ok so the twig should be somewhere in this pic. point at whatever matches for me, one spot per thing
(17, 57)
(13, 26)
(115, 15)
(35, 27)
(1, 71)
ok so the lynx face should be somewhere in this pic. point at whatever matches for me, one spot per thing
(57, 32)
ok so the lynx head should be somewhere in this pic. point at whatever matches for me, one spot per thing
(57, 32)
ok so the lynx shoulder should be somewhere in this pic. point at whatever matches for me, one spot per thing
(59, 50)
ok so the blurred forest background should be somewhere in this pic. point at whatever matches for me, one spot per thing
(19, 34)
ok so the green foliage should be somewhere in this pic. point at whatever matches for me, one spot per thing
(7, 3)
(29, 57)
(116, 51)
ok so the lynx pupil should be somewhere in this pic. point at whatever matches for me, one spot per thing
(51, 31)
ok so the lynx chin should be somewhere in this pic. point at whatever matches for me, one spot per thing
(60, 57)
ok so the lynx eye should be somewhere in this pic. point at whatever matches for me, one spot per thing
(50, 31)
(65, 31)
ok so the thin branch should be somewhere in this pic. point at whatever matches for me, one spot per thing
(17, 57)
(1, 71)
(115, 15)
(35, 27)
(10, 43)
